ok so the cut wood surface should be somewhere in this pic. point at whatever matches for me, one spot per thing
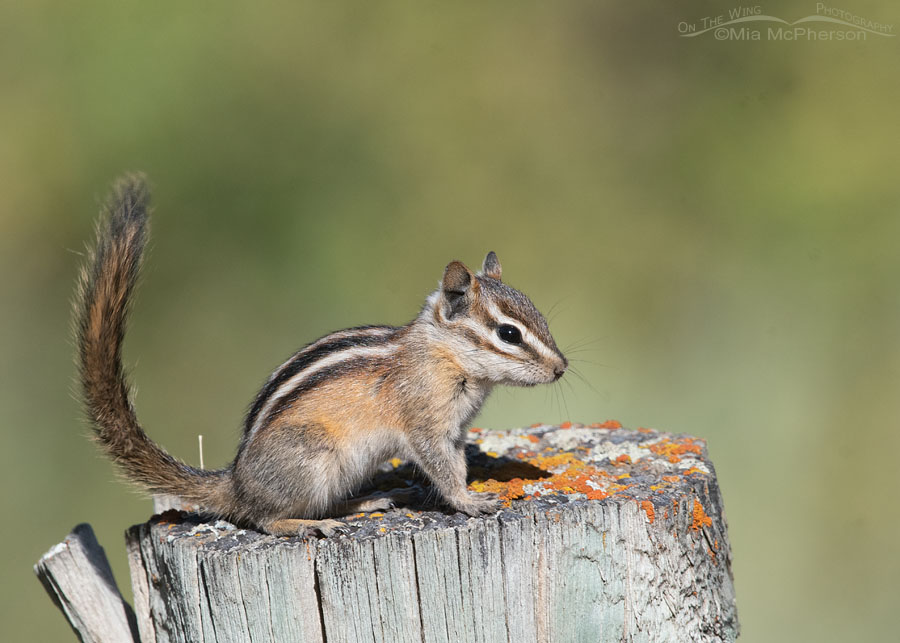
(605, 535)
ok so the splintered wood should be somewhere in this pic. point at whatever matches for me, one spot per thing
(80, 582)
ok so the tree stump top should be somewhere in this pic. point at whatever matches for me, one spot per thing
(536, 469)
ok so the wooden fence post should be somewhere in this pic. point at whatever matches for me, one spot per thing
(606, 535)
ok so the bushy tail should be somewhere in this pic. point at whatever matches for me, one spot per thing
(101, 311)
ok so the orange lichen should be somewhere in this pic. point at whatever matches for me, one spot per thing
(642, 429)
(506, 491)
(568, 474)
(528, 474)
(693, 470)
(376, 514)
(609, 424)
(700, 517)
(475, 429)
(673, 450)
(550, 462)
(536, 425)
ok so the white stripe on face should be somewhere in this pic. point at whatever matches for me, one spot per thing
(527, 336)
(329, 360)
(490, 336)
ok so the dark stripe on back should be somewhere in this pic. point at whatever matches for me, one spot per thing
(304, 358)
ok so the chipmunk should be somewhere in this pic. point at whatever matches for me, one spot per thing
(332, 413)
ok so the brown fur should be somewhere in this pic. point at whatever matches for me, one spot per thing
(101, 310)
(330, 415)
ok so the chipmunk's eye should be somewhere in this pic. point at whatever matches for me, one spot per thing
(509, 334)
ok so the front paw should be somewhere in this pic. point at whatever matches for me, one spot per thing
(476, 504)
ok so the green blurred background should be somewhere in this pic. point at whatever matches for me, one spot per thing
(716, 222)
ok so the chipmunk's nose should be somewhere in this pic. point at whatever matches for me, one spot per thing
(560, 369)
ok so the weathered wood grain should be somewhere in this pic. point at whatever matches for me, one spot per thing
(78, 578)
(607, 535)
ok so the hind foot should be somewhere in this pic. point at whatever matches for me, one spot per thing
(301, 527)
(381, 501)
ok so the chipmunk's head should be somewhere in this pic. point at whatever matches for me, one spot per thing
(494, 330)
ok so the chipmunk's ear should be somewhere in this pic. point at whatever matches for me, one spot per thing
(457, 289)
(491, 266)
